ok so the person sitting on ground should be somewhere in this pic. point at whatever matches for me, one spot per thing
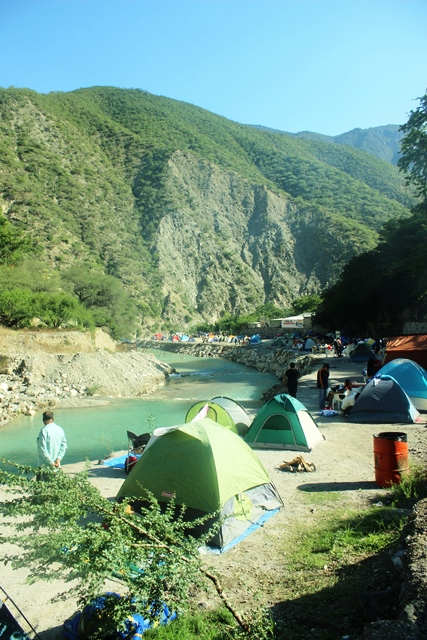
(351, 394)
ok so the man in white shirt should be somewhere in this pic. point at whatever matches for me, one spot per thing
(51, 442)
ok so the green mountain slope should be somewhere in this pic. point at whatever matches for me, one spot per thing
(197, 215)
(382, 142)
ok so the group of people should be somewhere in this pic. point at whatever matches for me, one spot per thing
(351, 394)
(291, 382)
(349, 391)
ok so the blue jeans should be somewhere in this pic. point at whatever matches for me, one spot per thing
(322, 398)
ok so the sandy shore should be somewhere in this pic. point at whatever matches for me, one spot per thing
(345, 465)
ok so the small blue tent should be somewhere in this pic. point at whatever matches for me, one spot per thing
(411, 376)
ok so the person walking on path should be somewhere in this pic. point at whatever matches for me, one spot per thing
(51, 442)
(322, 384)
(291, 380)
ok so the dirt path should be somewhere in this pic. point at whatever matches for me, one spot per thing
(344, 477)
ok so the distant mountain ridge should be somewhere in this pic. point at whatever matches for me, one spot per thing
(382, 142)
(197, 215)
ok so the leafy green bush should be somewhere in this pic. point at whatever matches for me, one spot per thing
(65, 528)
(412, 487)
(21, 307)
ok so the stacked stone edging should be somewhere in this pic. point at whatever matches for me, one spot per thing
(267, 359)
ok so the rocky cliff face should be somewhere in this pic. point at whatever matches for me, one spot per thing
(225, 244)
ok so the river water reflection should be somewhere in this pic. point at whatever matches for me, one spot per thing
(93, 432)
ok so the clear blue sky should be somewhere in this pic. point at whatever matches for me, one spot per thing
(319, 65)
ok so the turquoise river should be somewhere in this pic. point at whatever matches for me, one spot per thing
(94, 432)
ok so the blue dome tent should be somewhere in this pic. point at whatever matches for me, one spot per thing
(411, 376)
(383, 401)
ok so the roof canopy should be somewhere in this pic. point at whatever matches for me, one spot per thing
(413, 347)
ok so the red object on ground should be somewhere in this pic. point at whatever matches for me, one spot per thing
(130, 462)
(391, 458)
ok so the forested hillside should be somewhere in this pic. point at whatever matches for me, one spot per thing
(382, 142)
(192, 215)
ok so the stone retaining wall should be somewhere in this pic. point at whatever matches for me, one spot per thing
(267, 359)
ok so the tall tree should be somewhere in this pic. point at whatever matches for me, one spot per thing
(13, 243)
(414, 148)
(104, 296)
(379, 290)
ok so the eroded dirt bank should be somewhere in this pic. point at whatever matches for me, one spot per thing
(41, 369)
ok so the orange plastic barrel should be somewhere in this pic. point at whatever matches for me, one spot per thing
(391, 457)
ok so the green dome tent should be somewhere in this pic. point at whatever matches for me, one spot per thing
(209, 469)
(361, 352)
(241, 417)
(283, 423)
(214, 411)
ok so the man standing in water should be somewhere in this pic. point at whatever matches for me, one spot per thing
(51, 442)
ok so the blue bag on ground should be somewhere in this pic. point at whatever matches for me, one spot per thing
(82, 625)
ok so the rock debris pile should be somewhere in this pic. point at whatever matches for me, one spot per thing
(34, 382)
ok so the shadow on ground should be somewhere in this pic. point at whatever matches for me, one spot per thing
(107, 472)
(337, 486)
